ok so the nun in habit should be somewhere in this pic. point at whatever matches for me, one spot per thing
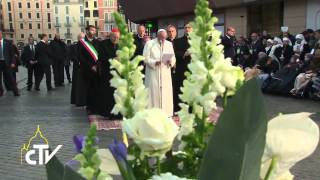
(159, 59)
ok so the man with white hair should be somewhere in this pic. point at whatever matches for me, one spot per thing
(159, 59)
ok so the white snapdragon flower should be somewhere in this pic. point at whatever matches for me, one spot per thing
(166, 176)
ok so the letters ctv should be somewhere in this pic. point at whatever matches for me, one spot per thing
(39, 154)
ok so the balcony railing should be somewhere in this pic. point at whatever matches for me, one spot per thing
(68, 35)
(67, 25)
(57, 25)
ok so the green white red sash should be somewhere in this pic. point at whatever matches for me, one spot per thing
(90, 48)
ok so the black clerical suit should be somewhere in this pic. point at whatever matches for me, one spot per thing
(229, 48)
(59, 52)
(43, 56)
(90, 78)
(181, 45)
(28, 59)
(107, 52)
(6, 60)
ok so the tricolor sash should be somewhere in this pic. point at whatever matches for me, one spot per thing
(90, 48)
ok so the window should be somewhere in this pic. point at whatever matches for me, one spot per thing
(67, 9)
(37, 5)
(11, 35)
(20, 16)
(29, 15)
(87, 23)
(10, 16)
(39, 36)
(81, 20)
(96, 23)
(87, 4)
(30, 35)
(58, 30)
(21, 25)
(68, 31)
(81, 9)
(67, 19)
(86, 13)
(95, 13)
(28, 5)
(95, 4)
(49, 25)
(48, 5)
(50, 36)
(107, 27)
(49, 18)
(22, 36)
(38, 15)
(20, 5)
(30, 26)
(56, 9)
(39, 26)
(9, 6)
(82, 29)
(57, 20)
(108, 3)
(11, 26)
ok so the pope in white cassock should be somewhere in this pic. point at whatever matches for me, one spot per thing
(159, 58)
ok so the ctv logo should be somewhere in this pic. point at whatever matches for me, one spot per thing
(39, 154)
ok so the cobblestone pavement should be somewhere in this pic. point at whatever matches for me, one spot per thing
(59, 121)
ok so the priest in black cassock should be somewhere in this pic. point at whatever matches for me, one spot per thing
(78, 92)
(88, 58)
(108, 50)
(181, 45)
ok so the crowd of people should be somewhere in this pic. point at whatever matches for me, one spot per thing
(289, 65)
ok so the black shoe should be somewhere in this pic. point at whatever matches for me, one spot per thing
(29, 88)
(37, 89)
(16, 94)
(70, 81)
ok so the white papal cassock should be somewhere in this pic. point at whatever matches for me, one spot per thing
(158, 78)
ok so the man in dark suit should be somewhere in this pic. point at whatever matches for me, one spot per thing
(7, 65)
(59, 52)
(139, 40)
(255, 48)
(181, 45)
(88, 58)
(43, 56)
(108, 51)
(228, 41)
(28, 59)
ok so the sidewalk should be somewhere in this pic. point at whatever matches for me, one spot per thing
(22, 76)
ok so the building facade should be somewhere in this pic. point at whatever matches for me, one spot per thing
(245, 15)
(91, 13)
(106, 20)
(69, 19)
(24, 18)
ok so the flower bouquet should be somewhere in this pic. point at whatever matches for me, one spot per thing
(242, 144)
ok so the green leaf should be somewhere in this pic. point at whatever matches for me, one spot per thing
(54, 169)
(71, 174)
(235, 149)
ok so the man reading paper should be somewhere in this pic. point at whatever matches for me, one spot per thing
(159, 58)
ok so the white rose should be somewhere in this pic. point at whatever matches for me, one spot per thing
(166, 176)
(152, 130)
(290, 138)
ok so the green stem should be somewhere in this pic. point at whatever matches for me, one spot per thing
(158, 166)
(271, 167)
(225, 99)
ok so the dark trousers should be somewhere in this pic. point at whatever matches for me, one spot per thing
(58, 72)
(33, 70)
(7, 71)
(67, 68)
(44, 70)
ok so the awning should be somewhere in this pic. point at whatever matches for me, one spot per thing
(143, 10)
